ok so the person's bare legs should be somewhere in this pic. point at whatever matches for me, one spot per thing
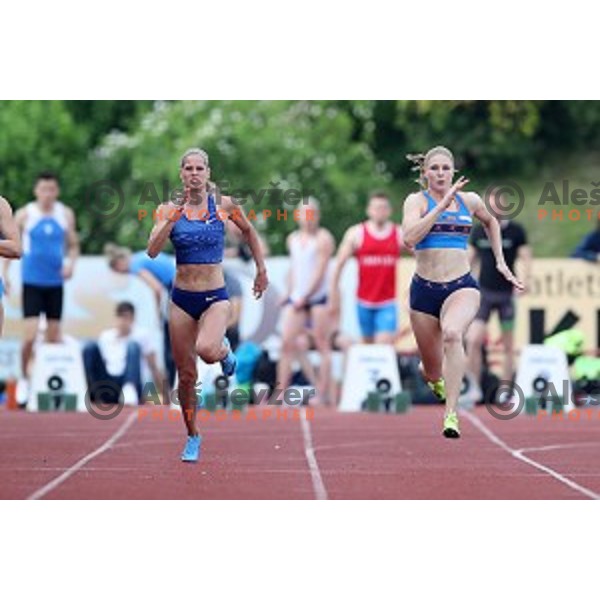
(302, 349)
(322, 334)
(428, 335)
(30, 328)
(293, 326)
(458, 311)
(53, 334)
(210, 346)
(385, 337)
(508, 345)
(342, 342)
(183, 333)
(475, 339)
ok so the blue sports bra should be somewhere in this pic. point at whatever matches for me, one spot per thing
(199, 242)
(451, 229)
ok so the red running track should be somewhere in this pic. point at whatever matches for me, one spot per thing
(327, 455)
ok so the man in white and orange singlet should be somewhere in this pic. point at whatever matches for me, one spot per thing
(376, 244)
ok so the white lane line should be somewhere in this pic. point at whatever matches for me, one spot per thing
(519, 455)
(114, 438)
(558, 447)
(313, 465)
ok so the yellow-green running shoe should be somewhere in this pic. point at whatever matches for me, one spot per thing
(451, 429)
(437, 387)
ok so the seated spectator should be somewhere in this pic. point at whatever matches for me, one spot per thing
(114, 363)
(589, 247)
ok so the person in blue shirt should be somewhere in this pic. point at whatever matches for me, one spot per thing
(158, 274)
(589, 247)
(199, 309)
(10, 244)
(50, 250)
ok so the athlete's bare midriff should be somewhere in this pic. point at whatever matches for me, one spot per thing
(442, 264)
(199, 278)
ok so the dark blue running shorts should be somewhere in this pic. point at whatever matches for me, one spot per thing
(429, 296)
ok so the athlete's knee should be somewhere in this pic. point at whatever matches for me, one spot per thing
(452, 335)
(508, 345)
(322, 343)
(300, 344)
(384, 338)
(53, 335)
(474, 341)
(209, 352)
(290, 345)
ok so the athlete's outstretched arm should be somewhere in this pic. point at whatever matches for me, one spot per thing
(492, 230)
(325, 249)
(166, 217)
(402, 245)
(10, 246)
(238, 216)
(289, 278)
(416, 226)
(19, 219)
(5, 275)
(345, 252)
(72, 245)
(525, 256)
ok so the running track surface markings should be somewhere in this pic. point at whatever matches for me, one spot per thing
(308, 455)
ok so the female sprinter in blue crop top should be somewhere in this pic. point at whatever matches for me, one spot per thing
(199, 308)
(444, 297)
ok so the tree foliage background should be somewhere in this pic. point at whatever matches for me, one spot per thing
(337, 151)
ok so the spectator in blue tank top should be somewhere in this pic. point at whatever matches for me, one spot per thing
(10, 244)
(158, 274)
(50, 250)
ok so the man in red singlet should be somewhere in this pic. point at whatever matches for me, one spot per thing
(376, 244)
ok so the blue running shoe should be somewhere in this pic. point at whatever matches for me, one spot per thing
(229, 363)
(191, 452)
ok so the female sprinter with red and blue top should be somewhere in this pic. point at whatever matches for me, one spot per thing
(444, 297)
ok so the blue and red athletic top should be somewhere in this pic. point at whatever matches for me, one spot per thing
(452, 228)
